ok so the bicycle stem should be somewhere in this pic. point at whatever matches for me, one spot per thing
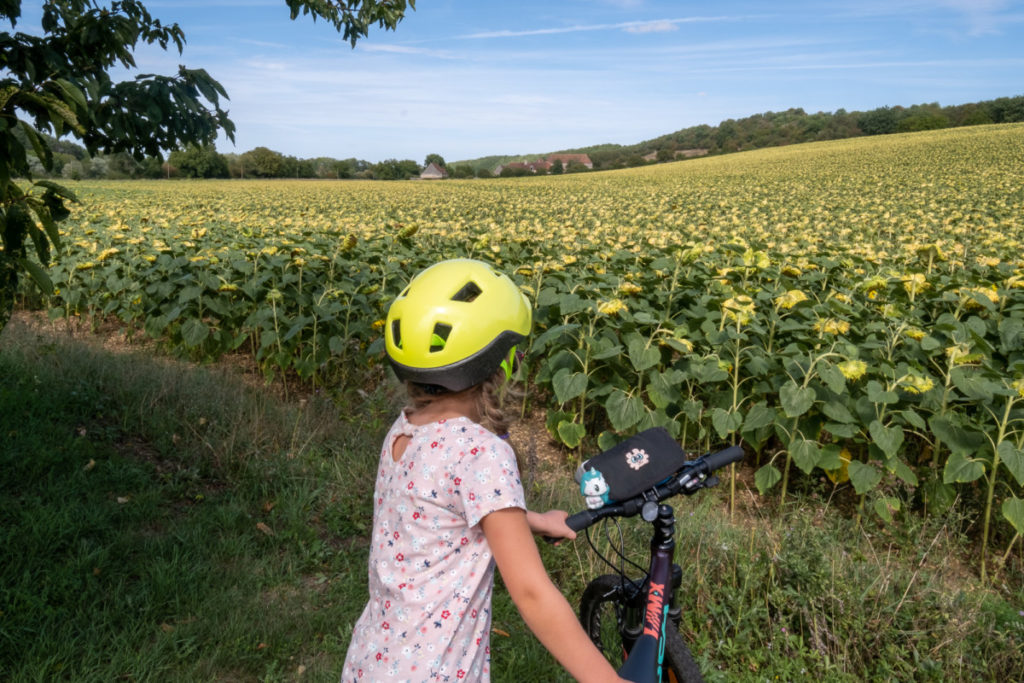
(645, 659)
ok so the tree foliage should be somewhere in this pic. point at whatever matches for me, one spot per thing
(354, 18)
(60, 84)
(199, 162)
(435, 159)
(393, 169)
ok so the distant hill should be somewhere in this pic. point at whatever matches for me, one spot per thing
(771, 129)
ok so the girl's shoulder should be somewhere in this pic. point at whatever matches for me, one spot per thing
(463, 429)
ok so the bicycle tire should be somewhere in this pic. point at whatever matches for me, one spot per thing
(606, 609)
(678, 659)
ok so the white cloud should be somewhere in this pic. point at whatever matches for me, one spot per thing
(630, 26)
(653, 27)
(407, 50)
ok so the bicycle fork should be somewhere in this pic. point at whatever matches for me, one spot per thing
(645, 659)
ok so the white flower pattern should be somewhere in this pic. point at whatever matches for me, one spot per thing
(427, 542)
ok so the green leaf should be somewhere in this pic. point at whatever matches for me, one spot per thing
(725, 422)
(568, 385)
(189, 293)
(878, 394)
(795, 400)
(832, 377)
(902, 470)
(547, 336)
(709, 372)
(38, 274)
(1013, 458)
(641, 355)
(960, 469)
(845, 431)
(938, 496)
(39, 146)
(885, 506)
(889, 439)
(1013, 511)
(623, 410)
(72, 92)
(831, 457)
(571, 433)
(863, 476)
(767, 477)
(759, 415)
(972, 384)
(835, 410)
(607, 439)
(915, 420)
(958, 439)
(663, 387)
(194, 332)
(806, 454)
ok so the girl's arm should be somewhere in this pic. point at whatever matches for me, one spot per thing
(542, 606)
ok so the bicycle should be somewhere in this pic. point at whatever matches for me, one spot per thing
(638, 619)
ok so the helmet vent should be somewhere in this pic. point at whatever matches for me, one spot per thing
(396, 332)
(440, 337)
(469, 292)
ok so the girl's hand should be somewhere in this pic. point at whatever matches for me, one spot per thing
(551, 524)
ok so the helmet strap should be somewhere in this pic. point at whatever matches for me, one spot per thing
(511, 364)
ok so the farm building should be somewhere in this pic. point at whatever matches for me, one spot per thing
(433, 172)
(567, 159)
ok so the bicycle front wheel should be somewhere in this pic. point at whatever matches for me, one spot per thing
(679, 662)
(611, 611)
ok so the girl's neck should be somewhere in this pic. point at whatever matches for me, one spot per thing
(446, 407)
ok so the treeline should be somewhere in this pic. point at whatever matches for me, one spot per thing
(773, 129)
(770, 129)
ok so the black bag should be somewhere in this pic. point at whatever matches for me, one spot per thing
(637, 464)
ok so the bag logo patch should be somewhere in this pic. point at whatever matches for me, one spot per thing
(637, 458)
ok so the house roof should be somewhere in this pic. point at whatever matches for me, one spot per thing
(433, 171)
(569, 158)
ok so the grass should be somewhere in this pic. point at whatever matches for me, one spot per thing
(166, 522)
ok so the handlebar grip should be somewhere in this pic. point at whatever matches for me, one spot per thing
(580, 521)
(720, 459)
(577, 522)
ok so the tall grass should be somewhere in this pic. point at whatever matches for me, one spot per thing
(166, 522)
(163, 522)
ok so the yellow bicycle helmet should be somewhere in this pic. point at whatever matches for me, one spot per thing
(455, 324)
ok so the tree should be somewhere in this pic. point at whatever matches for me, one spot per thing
(393, 169)
(878, 121)
(199, 162)
(60, 83)
(556, 167)
(262, 162)
(435, 159)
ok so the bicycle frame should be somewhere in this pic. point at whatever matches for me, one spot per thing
(645, 659)
(649, 642)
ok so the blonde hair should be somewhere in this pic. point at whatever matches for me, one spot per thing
(495, 398)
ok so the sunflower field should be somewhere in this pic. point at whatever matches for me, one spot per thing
(851, 309)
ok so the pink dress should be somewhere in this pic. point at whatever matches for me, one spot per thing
(431, 571)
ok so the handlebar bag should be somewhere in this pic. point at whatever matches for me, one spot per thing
(635, 465)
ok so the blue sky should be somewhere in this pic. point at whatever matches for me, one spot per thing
(470, 78)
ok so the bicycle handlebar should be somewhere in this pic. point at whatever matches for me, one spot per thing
(688, 480)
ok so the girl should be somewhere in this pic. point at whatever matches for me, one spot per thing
(448, 503)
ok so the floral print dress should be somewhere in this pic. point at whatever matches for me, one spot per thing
(431, 571)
